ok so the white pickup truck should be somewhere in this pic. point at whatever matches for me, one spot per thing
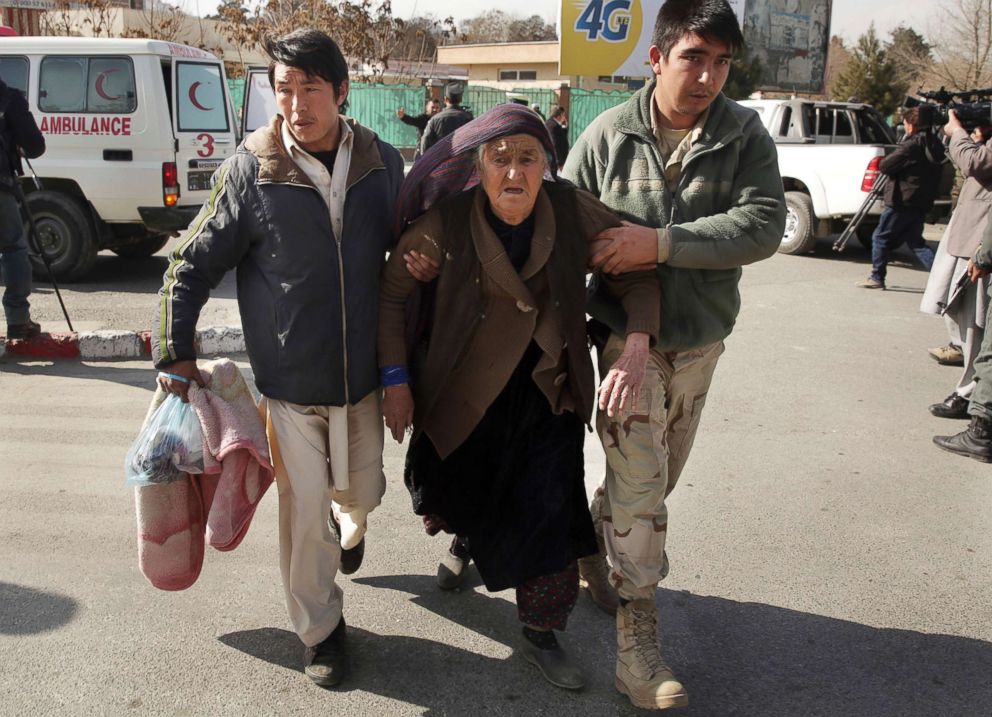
(828, 155)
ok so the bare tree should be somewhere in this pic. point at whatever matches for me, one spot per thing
(961, 44)
(365, 30)
(80, 17)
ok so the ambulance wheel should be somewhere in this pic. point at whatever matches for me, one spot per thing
(65, 234)
(146, 246)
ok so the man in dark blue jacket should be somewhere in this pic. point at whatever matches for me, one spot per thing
(303, 212)
(18, 134)
(913, 170)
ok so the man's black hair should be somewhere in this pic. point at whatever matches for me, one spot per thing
(313, 52)
(712, 20)
(557, 111)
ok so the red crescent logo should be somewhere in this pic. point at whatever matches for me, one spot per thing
(98, 85)
(192, 97)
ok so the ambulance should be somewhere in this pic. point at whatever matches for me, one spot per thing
(134, 130)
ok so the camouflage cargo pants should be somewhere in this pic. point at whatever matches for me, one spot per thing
(646, 448)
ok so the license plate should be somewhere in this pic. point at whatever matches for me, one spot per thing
(199, 181)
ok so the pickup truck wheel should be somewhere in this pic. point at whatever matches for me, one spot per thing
(142, 248)
(65, 234)
(798, 237)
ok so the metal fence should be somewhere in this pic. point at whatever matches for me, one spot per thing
(586, 105)
(374, 106)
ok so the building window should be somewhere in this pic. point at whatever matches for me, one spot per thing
(511, 75)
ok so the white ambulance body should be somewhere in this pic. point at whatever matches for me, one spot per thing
(134, 129)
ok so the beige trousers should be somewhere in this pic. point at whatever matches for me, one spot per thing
(646, 449)
(309, 553)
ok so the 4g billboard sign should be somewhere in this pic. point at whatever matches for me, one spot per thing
(609, 37)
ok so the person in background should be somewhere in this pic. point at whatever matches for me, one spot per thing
(19, 134)
(419, 121)
(913, 170)
(557, 126)
(447, 120)
(963, 311)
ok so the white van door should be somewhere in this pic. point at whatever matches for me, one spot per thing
(259, 101)
(203, 125)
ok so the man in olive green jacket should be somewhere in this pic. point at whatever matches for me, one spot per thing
(696, 177)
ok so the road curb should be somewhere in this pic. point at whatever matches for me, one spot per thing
(111, 344)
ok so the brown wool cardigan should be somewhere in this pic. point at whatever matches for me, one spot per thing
(487, 314)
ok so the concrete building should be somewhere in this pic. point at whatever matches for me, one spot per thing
(523, 65)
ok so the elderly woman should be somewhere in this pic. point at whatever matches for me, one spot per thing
(501, 382)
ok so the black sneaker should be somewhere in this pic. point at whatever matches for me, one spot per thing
(954, 406)
(23, 331)
(325, 663)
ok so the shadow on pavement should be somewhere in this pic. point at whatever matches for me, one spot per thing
(735, 659)
(27, 611)
(111, 371)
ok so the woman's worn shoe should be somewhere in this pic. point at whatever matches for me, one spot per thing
(454, 565)
(543, 651)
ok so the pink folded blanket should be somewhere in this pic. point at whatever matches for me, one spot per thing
(173, 518)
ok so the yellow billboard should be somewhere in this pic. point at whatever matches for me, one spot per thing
(609, 37)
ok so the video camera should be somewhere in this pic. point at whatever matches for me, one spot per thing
(972, 107)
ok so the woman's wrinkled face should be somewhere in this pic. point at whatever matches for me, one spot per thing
(511, 174)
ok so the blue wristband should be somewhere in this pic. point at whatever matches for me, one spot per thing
(393, 376)
(174, 377)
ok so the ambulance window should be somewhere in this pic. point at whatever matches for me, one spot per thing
(14, 73)
(200, 97)
(87, 84)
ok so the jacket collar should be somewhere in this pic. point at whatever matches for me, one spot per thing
(493, 257)
(275, 165)
(721, 128)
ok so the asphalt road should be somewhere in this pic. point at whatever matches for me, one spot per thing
(827, 559)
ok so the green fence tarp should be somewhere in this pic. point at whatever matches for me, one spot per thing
(586, 105)
(374, 106)
(237, 90)
(482, 99)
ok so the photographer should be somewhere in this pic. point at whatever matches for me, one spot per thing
(964, 311)
(18, 135)
(914, 172)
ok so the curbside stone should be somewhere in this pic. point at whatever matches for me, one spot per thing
(109, 344)
(221, 340)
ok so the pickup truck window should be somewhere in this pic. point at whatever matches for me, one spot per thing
(14, 73)
(873, 130)
(87, 84)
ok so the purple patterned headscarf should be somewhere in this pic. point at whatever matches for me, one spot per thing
(449, 168)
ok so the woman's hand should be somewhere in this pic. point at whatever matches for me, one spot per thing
(623, 382)
(397, 410)
(421, 267)
(174, 384)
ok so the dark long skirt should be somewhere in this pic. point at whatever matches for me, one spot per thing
(514, 488)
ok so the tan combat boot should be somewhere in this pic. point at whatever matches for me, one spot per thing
(642, 674)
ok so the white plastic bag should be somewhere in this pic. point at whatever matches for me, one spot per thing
(170, 444)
